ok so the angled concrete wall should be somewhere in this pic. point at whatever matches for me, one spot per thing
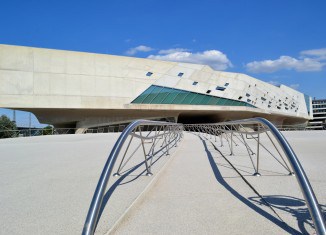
(87, 89)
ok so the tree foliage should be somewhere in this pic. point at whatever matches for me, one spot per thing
(48, 130)
(7, 127)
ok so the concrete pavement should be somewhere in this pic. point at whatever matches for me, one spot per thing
(47, 184)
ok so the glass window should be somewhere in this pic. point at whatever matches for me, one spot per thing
(152, 95)
(161, 96)
(189, 98)
(219, 88)
(169, 98)
(165, 95)
(228, 102)
(221, 101)
(213, 100)
(141, 97)
(180, 97)
(205, 100)
(241, 103)
(197, 99)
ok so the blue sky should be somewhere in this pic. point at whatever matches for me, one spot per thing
(281, 42)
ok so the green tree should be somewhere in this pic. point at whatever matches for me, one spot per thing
(48, 130)
(7, 127)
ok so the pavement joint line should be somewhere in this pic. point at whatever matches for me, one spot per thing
(147, 188)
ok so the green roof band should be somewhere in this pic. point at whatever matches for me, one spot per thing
(164, 95)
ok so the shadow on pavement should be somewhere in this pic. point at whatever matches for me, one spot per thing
(292, 205)
(120, 182)
(244, 200)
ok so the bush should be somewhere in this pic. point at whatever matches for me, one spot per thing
(48, 130)
(7, 127)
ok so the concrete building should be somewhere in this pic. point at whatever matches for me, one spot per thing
(319, 115)
(76, 89)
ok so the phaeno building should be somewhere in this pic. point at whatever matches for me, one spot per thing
(77, 89)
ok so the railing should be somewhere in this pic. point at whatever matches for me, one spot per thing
(28, 132)
(253, 128)
(292, 128)
(170, 133)
(164, 133)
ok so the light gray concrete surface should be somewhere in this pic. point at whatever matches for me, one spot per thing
(200, 193)
(47, 184)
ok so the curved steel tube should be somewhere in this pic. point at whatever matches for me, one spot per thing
(301, 177)
(92, 216)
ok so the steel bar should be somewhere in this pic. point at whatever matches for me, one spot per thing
(301, 177)
(94, 209)
(278, 152)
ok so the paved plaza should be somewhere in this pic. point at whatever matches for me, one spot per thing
(47, 184)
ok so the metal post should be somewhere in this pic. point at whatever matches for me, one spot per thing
(124, 155)
(14, 116)
(30, 124)
(231, 144)
(288, 168)
(145, 155)
(166, 144)
(257, 168)
(221, 139)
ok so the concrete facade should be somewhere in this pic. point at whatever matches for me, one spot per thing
(67, 88)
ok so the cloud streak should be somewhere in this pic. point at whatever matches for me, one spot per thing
(214, 58)
(141, 48)
(172, 50)
(310, 60)
(317, 54)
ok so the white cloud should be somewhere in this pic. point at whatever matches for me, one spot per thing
(213, 58)
(285, 62)
(141, 48)
(318, 54)
(172, 50)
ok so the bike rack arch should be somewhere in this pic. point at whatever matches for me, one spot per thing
(301, 177)
(167, 127)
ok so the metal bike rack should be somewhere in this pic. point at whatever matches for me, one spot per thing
(172, 132)
(228, 128)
